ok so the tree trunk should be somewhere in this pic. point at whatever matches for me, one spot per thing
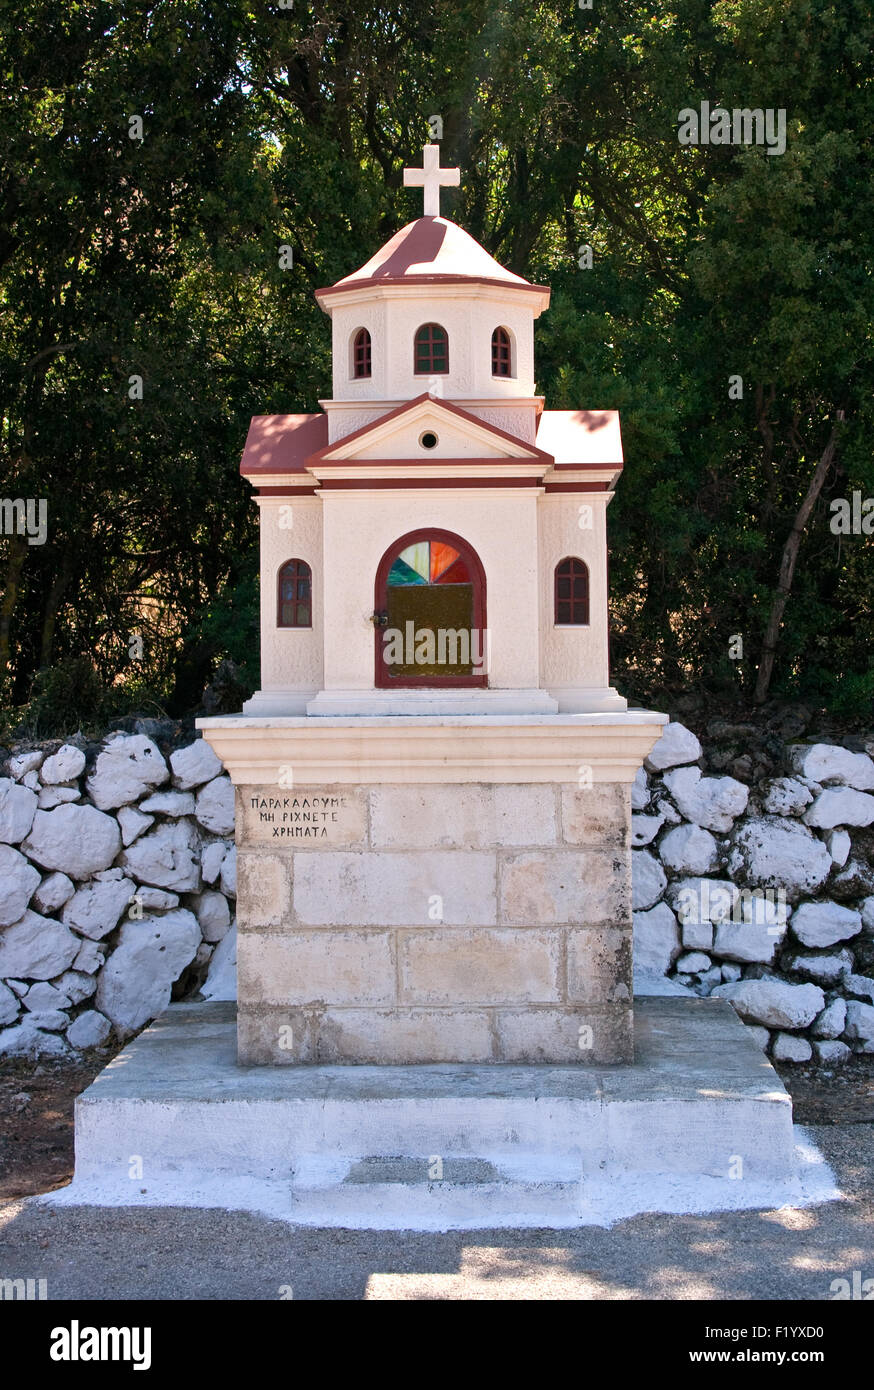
(53, 603)
(787, 566)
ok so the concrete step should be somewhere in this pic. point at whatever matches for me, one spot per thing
(699, 1121)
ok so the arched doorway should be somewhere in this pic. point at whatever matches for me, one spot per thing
(430, 613)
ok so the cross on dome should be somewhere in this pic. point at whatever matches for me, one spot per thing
(431, 178)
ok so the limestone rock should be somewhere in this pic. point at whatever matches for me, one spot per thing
(839, 844)
(90, 1029)
(31, 781)
(45, 996)
(166, 857)
(228, 877)
(128, 766)
(52, 1020)
(135, 984)
(827, 762)
(697, 899)
(712, 802)
(50, 797)
(17, 810)
(656, 940)
(64, 766)
(214, 807)
(18, 879)
(860, 986)
(688, 849)
(89, 959)
(8, 1006)
(840, 806)
(648, 879)
(22, 763)
(822, 969)
(644, 829)
(169, 804)
(774, 1002)
(639, 790)
(748, 941)
(824, 924)
(78, 840)
(221, 979)
(36, 948)
(759, 1035)
(730, 973)
(213, 914)
(786, 796)
(833, 1053)
(776, 853)
(855, 880)
(677, 745)
(95, 908)
(76, 985)
(194, 765)
(211, 859)
(697, 936)
(29, 1040)
(694, 963)
(789, 1049)
(866, 909)
(860, 1024)
(132, 823)
(832, 1021)
(157, 899)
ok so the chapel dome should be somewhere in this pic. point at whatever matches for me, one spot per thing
(432, 251)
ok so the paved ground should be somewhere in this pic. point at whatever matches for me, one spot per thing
(180, 1253)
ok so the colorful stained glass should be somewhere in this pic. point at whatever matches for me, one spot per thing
(429, 562)
(401, 573)
(457, 573)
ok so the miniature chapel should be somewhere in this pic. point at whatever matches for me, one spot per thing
(433, 780)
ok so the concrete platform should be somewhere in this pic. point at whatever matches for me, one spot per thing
(700, 1121)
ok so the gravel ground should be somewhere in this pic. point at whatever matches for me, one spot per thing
(180, 1253)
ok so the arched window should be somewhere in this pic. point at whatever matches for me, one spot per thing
(572, 592)
(295, 595)
(431, 354)
(502, 357)
(430, 613)
(361, 354)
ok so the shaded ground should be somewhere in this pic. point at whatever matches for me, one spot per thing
(180, 1253)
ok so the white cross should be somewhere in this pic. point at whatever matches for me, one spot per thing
(431, 177)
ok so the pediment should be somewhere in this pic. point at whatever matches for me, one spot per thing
(399, 435)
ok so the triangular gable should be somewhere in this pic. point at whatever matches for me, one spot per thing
(396, 434)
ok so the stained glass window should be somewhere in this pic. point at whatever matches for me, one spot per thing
(295, 594)
(428, 562)
(572, 592)
(501, 352)
(431, 354)
(361, 353)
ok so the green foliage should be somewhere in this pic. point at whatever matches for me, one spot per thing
(265, 126)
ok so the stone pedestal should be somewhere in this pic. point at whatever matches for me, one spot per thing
(443, 889)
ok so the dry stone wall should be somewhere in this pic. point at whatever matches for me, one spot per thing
(118, 889)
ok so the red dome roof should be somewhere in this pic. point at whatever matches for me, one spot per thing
(431, 250)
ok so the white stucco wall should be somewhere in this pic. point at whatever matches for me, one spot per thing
(468, 313)
(500, 526)
(291, 658)
(571, 657)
